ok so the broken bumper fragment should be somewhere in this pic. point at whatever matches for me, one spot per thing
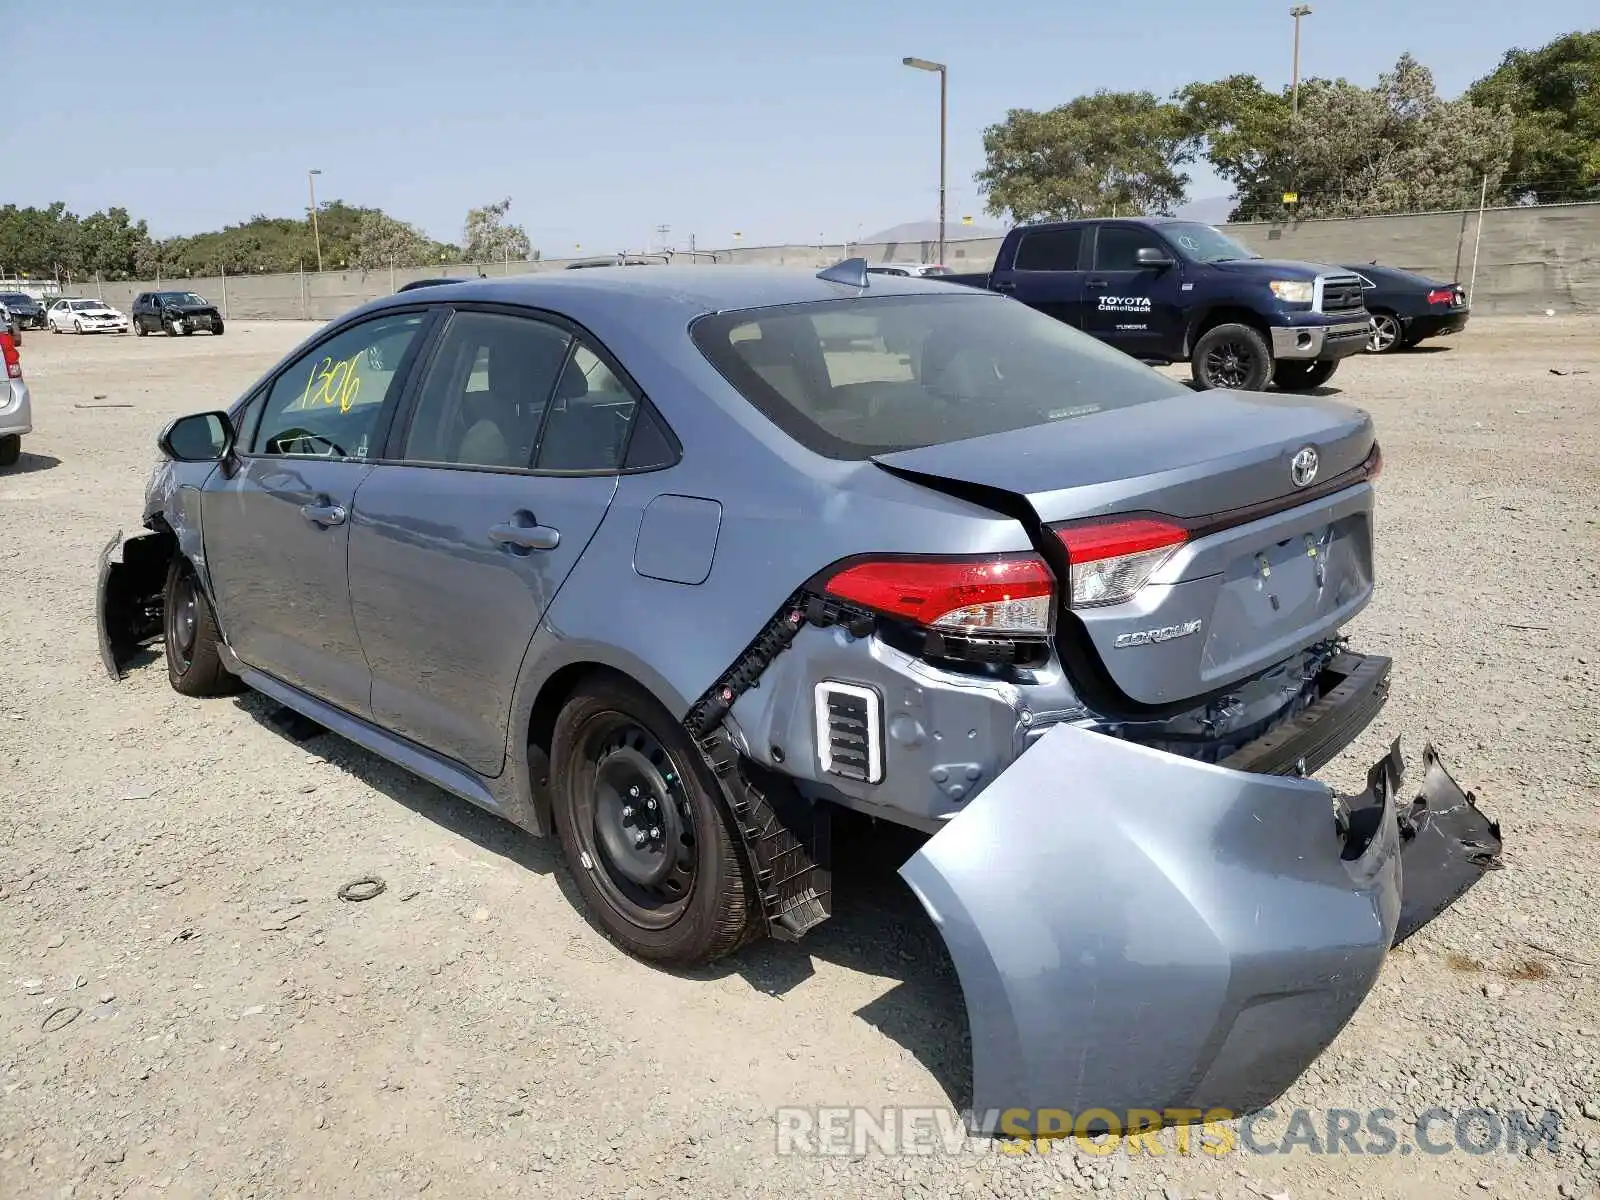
(128, 596)
(1139, 931)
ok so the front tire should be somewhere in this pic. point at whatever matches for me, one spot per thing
(1385, 334)
(646, 834)
(77, 327)
(1232, 356)
(1301, 376)
(191, 638)
(175, 328)
(216, 328)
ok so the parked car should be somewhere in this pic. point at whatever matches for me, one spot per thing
(11, 323)
(919, 270)
(628, 558)
(1167, 290)
(27, 310)
(76, 315)
(1407, 308)
(16, 406)
(179, 313)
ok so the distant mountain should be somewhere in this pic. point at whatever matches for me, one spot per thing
(1211, 210)
(928, 231)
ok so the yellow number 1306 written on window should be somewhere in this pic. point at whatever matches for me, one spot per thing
(332, 383)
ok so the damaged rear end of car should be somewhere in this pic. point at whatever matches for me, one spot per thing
(1148, 901)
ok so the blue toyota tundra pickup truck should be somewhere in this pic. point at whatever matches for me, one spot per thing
(1167, 290)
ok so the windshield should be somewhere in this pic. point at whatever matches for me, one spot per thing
(853, 378)
(1203, 243)
(15, 298)
(179, 298)
(87, 305)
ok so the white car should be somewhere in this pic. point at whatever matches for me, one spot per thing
(915, 269)
(85, 316)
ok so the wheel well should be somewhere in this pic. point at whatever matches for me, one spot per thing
(1227, 315)
(553, 696)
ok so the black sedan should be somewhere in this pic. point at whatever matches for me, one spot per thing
(1407, 307)
(25, 310)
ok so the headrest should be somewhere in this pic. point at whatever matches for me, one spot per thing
(573, 385)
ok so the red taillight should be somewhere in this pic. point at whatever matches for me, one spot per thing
(1112, 559)
(1012, 595)
(13, 360)
(1442, 296)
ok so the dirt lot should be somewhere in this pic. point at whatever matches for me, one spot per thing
(186, 1008)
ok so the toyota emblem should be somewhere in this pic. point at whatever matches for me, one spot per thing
(1303, 466)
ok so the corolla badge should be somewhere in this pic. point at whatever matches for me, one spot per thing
(1303, 466)
(1147, 637)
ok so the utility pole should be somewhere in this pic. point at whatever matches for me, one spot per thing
(661, 234)
(316, 236)
(1298, 11)
(923, 64)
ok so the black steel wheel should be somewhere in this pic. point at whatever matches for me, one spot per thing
(191, 638)
(644, 829)
(1232, 356)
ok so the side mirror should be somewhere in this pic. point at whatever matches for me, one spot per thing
(1150, 256)
(201, 437)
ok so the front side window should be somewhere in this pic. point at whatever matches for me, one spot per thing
(486, 393)
(1117, 248)
(870, 375)
(328, 403)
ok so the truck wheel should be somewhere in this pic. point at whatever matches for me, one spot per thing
(10, 450)
(644, 828)
(190, 636)
(1301, 376)
(1232, 356)
(1385, 335)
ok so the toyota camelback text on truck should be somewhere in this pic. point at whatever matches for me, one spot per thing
(1170, 291)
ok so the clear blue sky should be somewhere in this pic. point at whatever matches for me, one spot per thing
(602, 121)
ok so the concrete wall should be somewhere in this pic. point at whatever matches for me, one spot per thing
(1529, 259)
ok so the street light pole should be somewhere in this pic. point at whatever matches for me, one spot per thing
(316, 236)
(1298, 11)
(922, 64)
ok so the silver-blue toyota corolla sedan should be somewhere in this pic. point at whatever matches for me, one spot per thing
(675, 563)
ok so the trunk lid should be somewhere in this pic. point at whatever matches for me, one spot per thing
(1261, 577)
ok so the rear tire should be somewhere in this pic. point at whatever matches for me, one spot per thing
(10, 449)
(190, 637)
(138, 329)
(644, 828)
(1232, 356)
(1385, 333)
(1300, 376)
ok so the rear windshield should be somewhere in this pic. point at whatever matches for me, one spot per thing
(852, 378)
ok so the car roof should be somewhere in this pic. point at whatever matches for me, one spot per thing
(688, 291)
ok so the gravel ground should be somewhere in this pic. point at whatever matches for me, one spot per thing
(186, 1008)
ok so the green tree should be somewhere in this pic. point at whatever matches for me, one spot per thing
(1095, 155)
(109, 243)
(1554, 95)
(1244, 129)
(1396, 147)
(382, 241)
(488, 237)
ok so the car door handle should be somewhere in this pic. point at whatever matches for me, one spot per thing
(526, 537)
(324, 514)
(1099, 283)
(1004, 285)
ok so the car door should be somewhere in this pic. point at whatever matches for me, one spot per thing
(1046, 273)
(275, 520)
(496, 481)
(1133, 307)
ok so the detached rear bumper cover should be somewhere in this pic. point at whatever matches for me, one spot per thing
(1136, 930)
(127, 596)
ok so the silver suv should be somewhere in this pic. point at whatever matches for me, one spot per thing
(16, 406)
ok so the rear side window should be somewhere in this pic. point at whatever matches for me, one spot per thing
(1050, 250)
(852, 378)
